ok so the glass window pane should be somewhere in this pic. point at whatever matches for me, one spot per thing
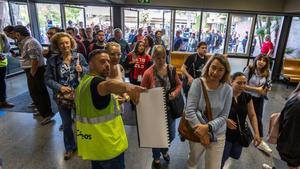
(20, 14)
(4, 15)
(187, 26)
(151, 17)
(292, 49)
(98, 16)
(156, 19)
(48, 16)
(167, 29)
(239, 34)
(20, 17)
(213, 31)
(131, 22)
(74, 17)
(266, 34)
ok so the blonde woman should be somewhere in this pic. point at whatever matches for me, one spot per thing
(116, 70)
(157, 76)
(215, 77)
(62, 75)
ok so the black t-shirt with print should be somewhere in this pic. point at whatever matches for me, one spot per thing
(100, 102)
(239, 108)
(195, 62)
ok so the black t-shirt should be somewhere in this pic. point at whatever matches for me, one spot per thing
(100, 102)
(239, 108)
(194, 64)
(95, 46)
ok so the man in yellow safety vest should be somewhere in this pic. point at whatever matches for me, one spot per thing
(101, 135)
(4, 48)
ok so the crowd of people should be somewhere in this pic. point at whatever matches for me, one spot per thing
(86, 72)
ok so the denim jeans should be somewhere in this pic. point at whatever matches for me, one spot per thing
(115, 163)
(66, 117)
(2, 84)
(156, 152)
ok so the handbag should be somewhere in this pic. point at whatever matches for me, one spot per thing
(177, 104)
(246, 135)
(66, 100)
(186, 131)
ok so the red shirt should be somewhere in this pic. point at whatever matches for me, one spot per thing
(266, 47)
(140, 66)
(139, 38)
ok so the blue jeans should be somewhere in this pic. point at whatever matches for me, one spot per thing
(171, 125)
(156, 152)
(115, 163)
(233, 150)
(2, 84)
(66, 117)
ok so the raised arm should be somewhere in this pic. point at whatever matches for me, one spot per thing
(119, 88)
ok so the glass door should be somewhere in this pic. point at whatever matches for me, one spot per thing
(20, 14)
(167, 28)
(238, 39)
(187, 26)
(131, 23)
(75, 16)
(48, 16)
(240, 28)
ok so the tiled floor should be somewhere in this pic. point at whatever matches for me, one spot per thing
(24, 144)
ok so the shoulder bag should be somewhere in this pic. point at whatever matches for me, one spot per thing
(177, 104)
(65, 100)
(186, 131)
(246, 135)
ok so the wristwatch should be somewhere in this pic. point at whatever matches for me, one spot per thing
(209, 127)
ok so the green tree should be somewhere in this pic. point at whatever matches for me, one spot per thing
(48, 12)
(72, 14)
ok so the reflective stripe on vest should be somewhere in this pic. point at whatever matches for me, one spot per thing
(100, 119)
(96, 120)
(100, 133)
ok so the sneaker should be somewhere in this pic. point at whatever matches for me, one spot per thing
(31, 105)
(6, 105)
(36, 114)
(61, 127)
(67, 155)
(264, 147)
(46, 120)
(166, 157)
(155, 165)
(266, 166)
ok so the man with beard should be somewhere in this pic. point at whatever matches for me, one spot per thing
(99, 44)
